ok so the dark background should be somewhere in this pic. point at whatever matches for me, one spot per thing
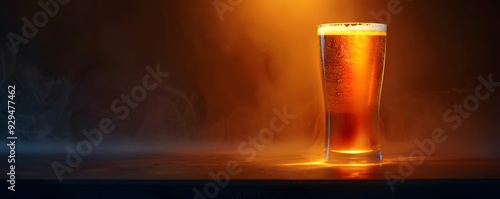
(226, 76)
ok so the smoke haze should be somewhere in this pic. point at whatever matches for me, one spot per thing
(228, 76)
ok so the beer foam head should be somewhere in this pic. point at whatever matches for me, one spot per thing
(352, 29)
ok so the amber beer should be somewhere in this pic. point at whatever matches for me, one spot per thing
(352, 56)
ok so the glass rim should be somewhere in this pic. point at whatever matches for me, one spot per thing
(352, 26)
(351, 22)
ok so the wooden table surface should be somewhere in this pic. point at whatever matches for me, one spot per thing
(197, 166)
(177, 175)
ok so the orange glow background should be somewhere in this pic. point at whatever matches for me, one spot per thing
(265, 55)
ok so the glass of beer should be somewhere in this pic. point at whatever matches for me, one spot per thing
(353, 59)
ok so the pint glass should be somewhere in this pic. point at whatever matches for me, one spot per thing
(353, 59)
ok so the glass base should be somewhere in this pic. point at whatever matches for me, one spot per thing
(354, 157)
